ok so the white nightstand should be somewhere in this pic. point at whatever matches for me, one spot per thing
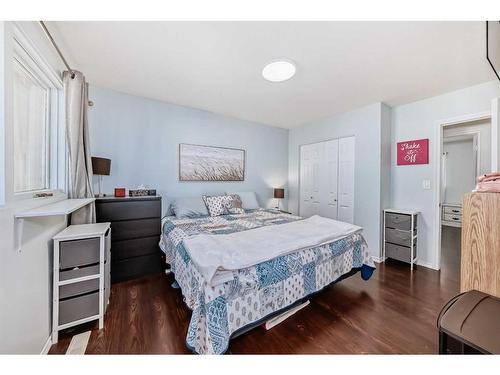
(81, 285)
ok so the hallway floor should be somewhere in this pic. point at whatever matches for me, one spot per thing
(450, 253)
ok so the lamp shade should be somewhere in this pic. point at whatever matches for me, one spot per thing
(279, 193)
(101, 166)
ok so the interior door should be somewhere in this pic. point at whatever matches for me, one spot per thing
(346, 179)
(310, 185)
(329, 179)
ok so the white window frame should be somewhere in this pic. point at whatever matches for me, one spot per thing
(27, 55)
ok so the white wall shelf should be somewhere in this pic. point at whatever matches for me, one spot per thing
(63, 207)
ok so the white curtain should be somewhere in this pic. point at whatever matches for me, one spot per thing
(77, 138)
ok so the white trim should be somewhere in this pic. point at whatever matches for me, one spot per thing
(495, 140)
(439, 125)
(46, 346)
(419, 263)
(30, 58)
(427, 265)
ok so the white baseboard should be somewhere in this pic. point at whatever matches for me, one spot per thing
(427, 265)
(419, 262)
(46, 347)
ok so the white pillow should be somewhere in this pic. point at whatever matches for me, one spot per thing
(248, 200)
(217, 205)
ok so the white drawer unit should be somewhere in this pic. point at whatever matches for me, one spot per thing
(400, 235)
(81, 286)
(451, 215)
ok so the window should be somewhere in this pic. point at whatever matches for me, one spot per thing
(39, 147)
(31, 135)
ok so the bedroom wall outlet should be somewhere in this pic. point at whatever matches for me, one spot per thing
(426, 184)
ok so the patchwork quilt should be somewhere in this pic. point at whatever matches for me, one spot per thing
(255, 292)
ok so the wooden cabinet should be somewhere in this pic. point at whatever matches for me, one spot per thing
(480, 260)
(135, 222)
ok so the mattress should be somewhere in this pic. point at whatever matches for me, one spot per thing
(254, 293)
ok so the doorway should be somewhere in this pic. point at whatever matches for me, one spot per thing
(465, 154)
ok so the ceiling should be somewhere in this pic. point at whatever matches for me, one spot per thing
(217, 66)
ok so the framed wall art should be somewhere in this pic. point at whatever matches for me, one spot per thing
(210, 163)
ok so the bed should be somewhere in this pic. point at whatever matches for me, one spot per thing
(223, 308)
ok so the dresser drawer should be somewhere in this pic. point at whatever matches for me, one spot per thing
(128, 210)
(399, 221)
(137, 247)
(401, 253)
(79, 252)
(135, 267)
(75, 289)
(398, 237)
(77, 308)
(79, 272)
(452, 210)
(130, 229)
(454, 218)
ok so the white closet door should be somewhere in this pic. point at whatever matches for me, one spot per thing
(346, 179)
(310, 184)
(329, 179)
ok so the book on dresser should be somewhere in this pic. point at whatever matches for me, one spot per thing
(135, 224)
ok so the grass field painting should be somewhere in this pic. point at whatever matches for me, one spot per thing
(208, 163)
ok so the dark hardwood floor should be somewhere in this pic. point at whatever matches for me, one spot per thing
(394, 312)
(450, 251)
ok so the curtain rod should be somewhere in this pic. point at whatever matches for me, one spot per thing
(55, 45)
(51, 39)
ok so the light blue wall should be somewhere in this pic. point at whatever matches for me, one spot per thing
(369, 125)
(419, 120)
(141, 137)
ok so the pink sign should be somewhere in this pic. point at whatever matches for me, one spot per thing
(413, 152)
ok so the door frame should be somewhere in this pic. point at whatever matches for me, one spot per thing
(438, 149)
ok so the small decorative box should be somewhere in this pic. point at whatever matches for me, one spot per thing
(119, 192)
(142, 192)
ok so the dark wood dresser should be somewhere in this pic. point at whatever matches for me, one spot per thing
(135, 228)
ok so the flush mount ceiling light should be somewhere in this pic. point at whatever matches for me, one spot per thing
(279, 70)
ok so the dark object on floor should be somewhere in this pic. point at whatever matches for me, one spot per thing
(135, 233)
(470, 324)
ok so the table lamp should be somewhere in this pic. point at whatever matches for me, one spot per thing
(101, 167)
(279, 194)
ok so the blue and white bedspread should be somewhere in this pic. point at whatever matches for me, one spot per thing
(258, 291)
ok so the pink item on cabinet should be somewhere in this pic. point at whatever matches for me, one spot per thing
(488, 177)
(489, 182)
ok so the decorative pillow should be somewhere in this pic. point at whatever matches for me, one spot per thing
(217, 205)
(189, 207)
(234, 204)
(248, 199)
